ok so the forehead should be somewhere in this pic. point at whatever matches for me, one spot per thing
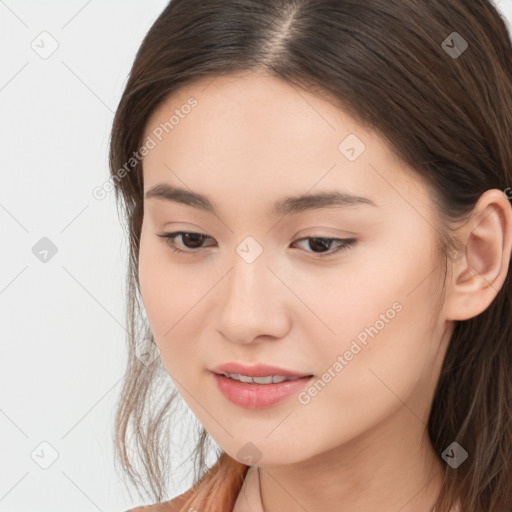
(249, 111)
(258, 134)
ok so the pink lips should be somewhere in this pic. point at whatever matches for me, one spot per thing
(257, 396)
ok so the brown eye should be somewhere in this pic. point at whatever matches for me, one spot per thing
(192, 241)
(323, 244)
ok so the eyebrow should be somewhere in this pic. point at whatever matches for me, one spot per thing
(288, 205)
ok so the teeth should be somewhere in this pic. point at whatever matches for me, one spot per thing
(269, 379)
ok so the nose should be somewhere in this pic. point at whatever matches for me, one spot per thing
(253, 303)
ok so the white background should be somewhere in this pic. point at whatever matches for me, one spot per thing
(62, 336)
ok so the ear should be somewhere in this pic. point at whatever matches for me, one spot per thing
(478, 275)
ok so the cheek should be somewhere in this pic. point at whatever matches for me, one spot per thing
(172, 301)
(360, 300)
(161, 291)
(370, 380)
(380, 314)
(154, 286)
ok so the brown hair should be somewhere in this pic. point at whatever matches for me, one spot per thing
(391, 65)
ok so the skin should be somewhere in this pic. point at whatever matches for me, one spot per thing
(362, 440)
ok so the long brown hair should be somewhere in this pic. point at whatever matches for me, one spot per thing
(443, 103)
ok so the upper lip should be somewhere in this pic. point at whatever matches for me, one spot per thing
(258, 370)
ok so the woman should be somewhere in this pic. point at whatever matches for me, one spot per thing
(317, 197)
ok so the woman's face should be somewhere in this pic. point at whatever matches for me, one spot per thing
(264, 285)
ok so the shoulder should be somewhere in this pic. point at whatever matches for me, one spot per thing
(173, 505)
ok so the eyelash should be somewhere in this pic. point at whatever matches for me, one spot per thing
(345, 243)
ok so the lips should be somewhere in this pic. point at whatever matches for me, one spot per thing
(258, 396)
(258, 370)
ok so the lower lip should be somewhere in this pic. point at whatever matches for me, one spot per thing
(258, 396)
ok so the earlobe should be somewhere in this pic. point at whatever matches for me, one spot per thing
(479, 274)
